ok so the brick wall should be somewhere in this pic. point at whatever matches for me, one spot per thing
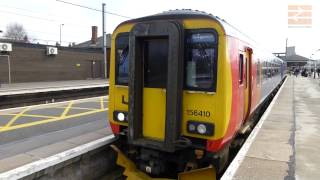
(29, 63)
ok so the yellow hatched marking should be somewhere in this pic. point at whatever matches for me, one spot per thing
(101, 103)
(81, 108)
(32, 115)
(65, 112)
(50, 120)
(15, 118)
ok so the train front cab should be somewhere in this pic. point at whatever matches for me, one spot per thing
(177, 84)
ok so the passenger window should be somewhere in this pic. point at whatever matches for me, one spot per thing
(122, 61)
(258, 72)
(201, 61)
(241, 68)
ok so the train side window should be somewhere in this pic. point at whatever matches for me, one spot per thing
(258, 72)
(241, 68)
(122, 61)
(201, 60)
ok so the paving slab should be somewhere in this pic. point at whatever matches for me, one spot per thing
(50, 149)
(16, 161)
(256, 168)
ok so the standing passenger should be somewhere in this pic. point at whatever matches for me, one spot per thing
(296, 72)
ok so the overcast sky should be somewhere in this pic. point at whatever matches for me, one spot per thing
(265, 21)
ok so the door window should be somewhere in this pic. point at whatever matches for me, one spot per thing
(155, 59)
(241, 69)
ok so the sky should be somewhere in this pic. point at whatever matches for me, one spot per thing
(264, 21)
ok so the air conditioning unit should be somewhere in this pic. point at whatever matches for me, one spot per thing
(5, 47)
(52, 51)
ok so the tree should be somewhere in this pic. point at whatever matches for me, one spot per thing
(16, 32)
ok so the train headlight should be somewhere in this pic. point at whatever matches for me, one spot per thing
(191, 127)
(120, 116)
(202, 128)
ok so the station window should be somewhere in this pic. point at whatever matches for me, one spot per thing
(122, 61)
(241, 68)
(201, 60)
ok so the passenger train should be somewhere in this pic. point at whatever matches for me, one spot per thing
(183, 85)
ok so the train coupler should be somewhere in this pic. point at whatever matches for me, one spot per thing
(132, 173)
(130, 169)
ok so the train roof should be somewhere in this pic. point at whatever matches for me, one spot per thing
(188, 13)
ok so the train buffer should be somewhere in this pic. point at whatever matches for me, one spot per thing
(284, 144)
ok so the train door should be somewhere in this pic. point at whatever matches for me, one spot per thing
(247, 81)
(155, 88)
(155, 62)
(241, 89)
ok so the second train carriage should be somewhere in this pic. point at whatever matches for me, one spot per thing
(182, 85)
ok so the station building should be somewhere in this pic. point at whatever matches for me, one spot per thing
(292, 58)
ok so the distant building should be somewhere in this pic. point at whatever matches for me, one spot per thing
(29, 62)
(292, 58)
(95, 42)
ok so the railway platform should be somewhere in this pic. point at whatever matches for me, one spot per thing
(40, 87)
(285, 143)
(22, 94)
(35, 137)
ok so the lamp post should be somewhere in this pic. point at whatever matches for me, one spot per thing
(60, 32)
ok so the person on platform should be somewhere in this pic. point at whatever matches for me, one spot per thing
(296, 72)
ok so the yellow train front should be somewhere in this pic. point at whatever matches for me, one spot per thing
(182, 85)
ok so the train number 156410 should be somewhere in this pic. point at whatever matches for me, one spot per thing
(204, 113)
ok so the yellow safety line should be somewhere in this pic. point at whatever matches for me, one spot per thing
(15, 118)
(101, 103)
(65, 112)
(78, 108)
(32, 115)
(49, 120)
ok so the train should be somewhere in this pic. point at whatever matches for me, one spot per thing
(183, 85)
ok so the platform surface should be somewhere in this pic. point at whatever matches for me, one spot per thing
(36, 87)
(288, 144)
(31, 133)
